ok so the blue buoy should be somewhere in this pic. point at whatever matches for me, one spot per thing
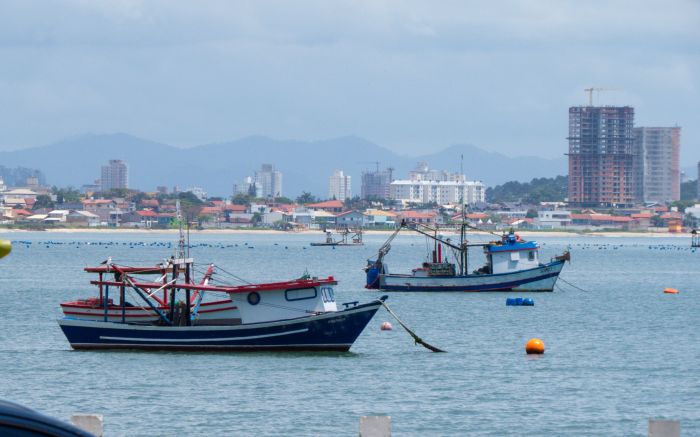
(520, 301)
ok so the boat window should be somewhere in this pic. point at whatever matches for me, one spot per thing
(531, 255)
(300, 294)
(254, 298)
(327, 294)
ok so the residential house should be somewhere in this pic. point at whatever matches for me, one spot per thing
(380, 218)
(82, 218)
(144, 218)
(553, 219)
(334, 206)
(425, 218)
(349, 219)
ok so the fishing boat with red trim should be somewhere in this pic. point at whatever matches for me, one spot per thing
(172, 312)
(512, 264)
(299, 314)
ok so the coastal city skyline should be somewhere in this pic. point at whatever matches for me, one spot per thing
(357, 217)
(611, 161)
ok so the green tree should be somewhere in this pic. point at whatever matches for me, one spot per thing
(66, 195)
(43, 201)
(306, 197)
(533, 192)
(241, 199)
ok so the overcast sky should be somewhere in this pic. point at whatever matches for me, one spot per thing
(412, 76)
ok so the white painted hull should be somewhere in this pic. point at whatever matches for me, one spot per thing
(542, 278)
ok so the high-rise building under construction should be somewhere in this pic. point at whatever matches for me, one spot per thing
(602, 156)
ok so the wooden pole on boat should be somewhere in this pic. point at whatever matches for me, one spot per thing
(105, 302)
(417, 339)
(123, 302)
(101, 296)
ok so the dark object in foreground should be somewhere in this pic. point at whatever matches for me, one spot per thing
(18, 420)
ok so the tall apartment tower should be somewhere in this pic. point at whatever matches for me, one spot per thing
(339, 186)
(602, 158)
(659, 173)
(114, 175)
(376, 184)
(270, 181)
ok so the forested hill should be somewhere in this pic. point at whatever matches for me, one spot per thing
(535, 191)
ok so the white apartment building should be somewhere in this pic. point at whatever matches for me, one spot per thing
(440, 192)
(270, 180)
(339, 186)
(114, 175)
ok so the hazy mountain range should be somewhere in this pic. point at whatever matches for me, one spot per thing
(306, 166)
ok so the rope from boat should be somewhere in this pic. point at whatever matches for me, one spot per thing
(572, 285)
(233, 276)
(416, 338)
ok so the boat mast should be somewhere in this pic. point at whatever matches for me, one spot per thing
(463, 253)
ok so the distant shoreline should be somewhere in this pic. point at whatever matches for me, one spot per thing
(530, 234)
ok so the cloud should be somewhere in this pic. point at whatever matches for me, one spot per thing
(413, 75)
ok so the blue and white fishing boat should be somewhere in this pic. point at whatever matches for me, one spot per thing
(300, 314)
(511, 265)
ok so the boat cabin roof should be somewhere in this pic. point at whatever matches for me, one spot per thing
(511, 243)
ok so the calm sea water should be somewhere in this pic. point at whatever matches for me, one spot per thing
(617, 354)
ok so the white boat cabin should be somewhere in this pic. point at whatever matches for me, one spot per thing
(511, 255)
(285, 300)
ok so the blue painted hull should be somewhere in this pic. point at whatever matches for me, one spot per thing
(542, 278)
(335, 331)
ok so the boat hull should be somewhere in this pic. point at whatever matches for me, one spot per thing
(542, 278)
(335, 331)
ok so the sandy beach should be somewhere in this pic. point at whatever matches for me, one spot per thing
(525, 234)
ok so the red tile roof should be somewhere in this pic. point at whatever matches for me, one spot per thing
(418, 215)
(210, 210)
(146, 213)
(236, 208)
(326, 204)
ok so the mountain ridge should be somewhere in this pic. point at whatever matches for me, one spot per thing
(216, 167)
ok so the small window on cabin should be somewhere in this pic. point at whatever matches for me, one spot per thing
(300, 294)
(531, 255)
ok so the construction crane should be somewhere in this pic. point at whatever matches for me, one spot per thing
(370, 162)
(597, 90)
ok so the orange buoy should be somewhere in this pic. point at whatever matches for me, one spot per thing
(534, 346)
(386, 326)
(671, 291)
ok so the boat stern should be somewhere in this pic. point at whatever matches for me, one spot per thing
(373, 271)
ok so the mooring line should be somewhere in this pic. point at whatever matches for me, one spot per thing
(569, 283)
(417, 339)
